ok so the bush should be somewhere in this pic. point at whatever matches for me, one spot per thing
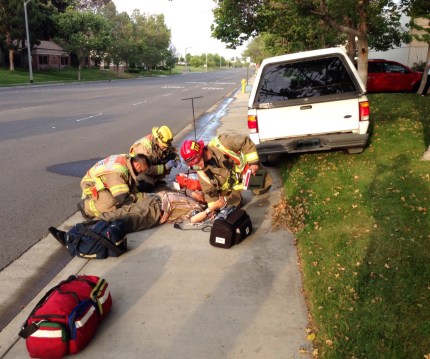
(133, 71)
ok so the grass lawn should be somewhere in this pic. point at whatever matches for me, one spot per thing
(363, 233)
(22, 76)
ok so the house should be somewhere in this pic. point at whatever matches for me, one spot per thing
(407, 54)
(47, 55)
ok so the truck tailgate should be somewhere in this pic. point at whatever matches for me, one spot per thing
(311, 119)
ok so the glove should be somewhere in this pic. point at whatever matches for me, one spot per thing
(173, 163)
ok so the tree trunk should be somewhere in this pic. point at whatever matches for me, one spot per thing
(350, 46)
(363, 56)
(426, 70)
(11, 60)
(362, 44)
(79, 71)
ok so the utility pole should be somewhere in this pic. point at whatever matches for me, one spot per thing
(30, 65)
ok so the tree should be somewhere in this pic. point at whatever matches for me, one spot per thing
(363, 21)
(256, 50)
(40, 20)
(171, 58)
(151, 37)
(84, 33)
(359, 21)
(237, 21)
(420, 9)
(92, 5)
(120, 47)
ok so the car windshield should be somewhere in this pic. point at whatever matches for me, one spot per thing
(304, 79)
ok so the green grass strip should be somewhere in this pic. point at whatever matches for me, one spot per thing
(364, 242)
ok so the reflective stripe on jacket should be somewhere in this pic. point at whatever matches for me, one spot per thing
(115, 164)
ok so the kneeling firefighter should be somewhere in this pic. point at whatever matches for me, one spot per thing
(157, 146)
(221, 166)
(109, 184)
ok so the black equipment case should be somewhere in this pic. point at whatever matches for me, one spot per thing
(230, 228)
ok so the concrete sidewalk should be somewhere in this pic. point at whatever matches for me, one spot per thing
(176, 296)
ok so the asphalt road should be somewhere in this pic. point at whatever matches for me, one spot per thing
(51, 134)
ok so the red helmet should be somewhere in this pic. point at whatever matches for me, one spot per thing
(191, 151)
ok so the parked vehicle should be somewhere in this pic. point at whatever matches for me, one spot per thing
(391, 76)
(308, 101)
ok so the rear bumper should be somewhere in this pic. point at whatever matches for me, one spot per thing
(313, 143)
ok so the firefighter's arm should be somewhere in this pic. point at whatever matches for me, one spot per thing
(156, 170)
(143, 146)
(241, 144)
(212, 207)
(118, 187)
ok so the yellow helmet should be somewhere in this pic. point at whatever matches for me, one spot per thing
(163, 134)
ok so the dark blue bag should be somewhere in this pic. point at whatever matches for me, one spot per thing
(98, 240)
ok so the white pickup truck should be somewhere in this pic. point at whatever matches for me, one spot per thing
(308, 101)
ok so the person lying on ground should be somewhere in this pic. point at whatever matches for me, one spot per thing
(162, 207)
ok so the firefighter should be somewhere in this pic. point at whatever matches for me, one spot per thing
(110, 183)
(157, 146)
(221, 166)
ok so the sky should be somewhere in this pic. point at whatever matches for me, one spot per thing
(189, 22)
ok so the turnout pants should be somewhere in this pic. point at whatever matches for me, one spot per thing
(93, 206)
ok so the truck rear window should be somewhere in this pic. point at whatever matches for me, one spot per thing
(304, 79)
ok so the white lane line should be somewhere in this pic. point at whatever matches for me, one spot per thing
(137, 103)
(87, 118)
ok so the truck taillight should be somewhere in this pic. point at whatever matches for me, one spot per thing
(252, 124)
(364, 111)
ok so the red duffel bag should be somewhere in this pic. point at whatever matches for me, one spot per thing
(66, 318)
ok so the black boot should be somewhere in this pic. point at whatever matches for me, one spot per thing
(60, 236)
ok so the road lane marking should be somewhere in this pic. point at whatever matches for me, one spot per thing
(87, 118)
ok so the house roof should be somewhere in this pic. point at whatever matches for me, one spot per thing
(48, 48)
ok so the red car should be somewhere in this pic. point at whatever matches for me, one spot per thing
(391, 76)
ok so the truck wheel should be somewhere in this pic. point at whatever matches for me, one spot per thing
(355, 150)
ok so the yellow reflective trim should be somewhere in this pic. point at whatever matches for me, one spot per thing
(160, 169)
(252, 157)
(239, 159)
(118, 189)
(93, 208)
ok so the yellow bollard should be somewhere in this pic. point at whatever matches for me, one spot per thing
(243, 85)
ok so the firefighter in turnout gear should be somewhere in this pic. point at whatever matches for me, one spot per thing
(110, 183)
(157, 146)
(221, 166)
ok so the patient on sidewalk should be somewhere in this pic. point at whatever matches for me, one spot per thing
(151, 209)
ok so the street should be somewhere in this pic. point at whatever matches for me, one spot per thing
(51, 134)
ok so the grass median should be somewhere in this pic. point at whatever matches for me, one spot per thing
(22, 76)
(363, 234)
